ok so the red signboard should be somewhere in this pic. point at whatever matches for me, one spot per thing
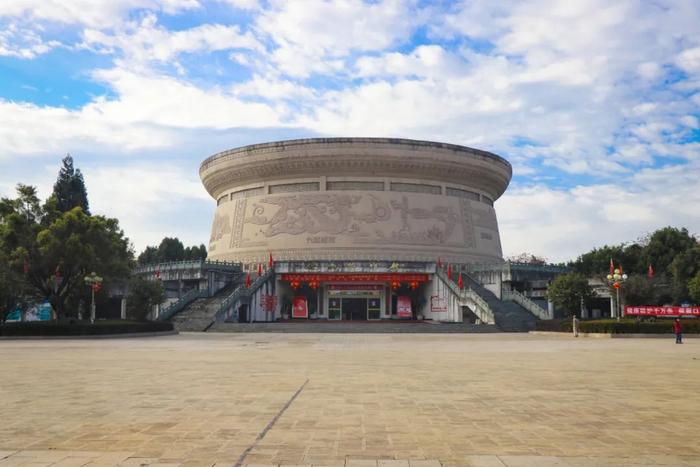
(662, 310)
(355, 287)
(403, 306)
(299, 307)
(370, 277)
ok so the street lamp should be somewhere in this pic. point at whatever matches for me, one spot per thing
(95, 283)
(616, 279)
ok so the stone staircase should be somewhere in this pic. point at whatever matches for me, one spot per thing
(355, 327)
(201, 313)
(509, 316)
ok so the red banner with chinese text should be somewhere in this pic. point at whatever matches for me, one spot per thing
(370, 277)
(662, 311)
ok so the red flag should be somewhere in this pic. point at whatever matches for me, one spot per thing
(459, 281)
(158, 273)
(650, 272)
(449, 271)
(270, 262)
(259, 269)
(247, 280)
(612, 267)
(439, 263)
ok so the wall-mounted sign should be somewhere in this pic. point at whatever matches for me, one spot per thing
(438, 304)
(300, 308)
(403, 306)
(269, 302)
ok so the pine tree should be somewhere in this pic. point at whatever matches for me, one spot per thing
(69, 189)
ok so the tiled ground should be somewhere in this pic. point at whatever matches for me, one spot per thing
(202, 399)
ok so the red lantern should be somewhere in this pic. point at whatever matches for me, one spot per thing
(413, 285)
(616, 285)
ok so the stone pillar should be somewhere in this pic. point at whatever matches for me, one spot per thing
(123, 308)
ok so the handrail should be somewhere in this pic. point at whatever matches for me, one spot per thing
(179, 305)
(239, 292)
(483, 308)
(185, 264)
(525, 302)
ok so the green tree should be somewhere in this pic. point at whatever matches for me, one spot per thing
(13, 290)
(171, 249)
(596, 262)
(663, 247)
(683, 268)
(143, 296)
(195, 252)
(694, 288)
(60, 248)
(639, 290)
(569, 291)
(69, 189)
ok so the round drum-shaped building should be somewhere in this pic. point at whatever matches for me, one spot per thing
(355, 199)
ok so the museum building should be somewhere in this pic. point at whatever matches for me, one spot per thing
(355, 228)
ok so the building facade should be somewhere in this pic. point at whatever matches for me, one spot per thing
(355, 225)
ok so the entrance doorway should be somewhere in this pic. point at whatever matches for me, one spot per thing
(354, 309)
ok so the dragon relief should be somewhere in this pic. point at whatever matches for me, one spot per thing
(434, 234)
(316, 213)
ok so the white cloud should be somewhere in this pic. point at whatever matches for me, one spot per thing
(23, 43)
(562, 224)
(144, 41)
(95, 13)
(315, 35)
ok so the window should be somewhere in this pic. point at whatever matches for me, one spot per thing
(416, 188)
(294, 187)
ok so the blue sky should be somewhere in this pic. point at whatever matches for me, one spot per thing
(595, 103)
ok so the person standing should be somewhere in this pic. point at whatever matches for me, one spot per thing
(678, 330)
(574, 326)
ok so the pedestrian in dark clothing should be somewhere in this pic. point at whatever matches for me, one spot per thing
(677, 330)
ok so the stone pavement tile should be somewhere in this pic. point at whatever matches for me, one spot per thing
(483, 461)
(392, 463)
(4, 454)
(73, 462)
(424, 463)
(360, 463)
(533, 461)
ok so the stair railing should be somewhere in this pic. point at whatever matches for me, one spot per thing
(239, 293)
(176, 307)
(481, 307)
(525, 302)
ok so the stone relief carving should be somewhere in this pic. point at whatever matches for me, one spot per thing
(238, 222)
(434, 234)
(467, 223)
(331, 214)
(220, 228)
(484, 218)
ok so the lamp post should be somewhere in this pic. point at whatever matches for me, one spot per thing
(616, 279)
(95, 283)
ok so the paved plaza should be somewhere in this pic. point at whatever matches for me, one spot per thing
(384, 400)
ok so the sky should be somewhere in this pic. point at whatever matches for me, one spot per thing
(596, 104)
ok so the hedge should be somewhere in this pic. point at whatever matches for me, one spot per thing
(82, 328)
(624, 326)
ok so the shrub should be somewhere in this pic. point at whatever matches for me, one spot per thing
(624, 326)
(82, 328)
